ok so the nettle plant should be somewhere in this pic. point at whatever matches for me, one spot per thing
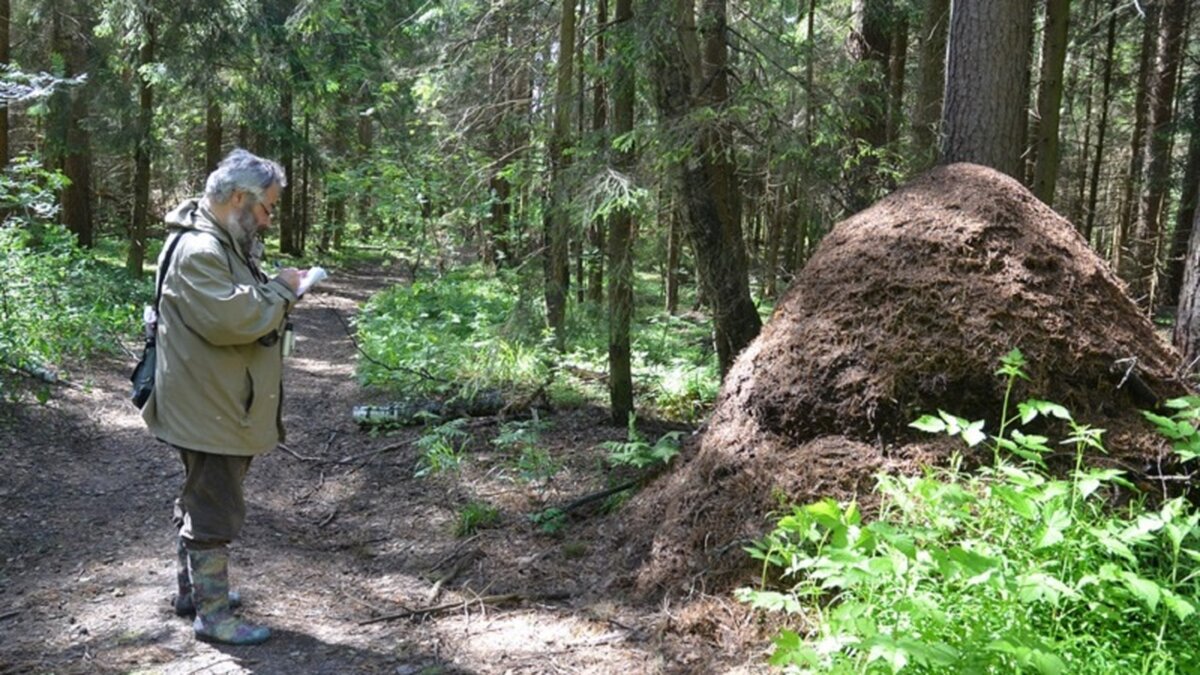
(441, 448)
(1007, 569)
(639, 453)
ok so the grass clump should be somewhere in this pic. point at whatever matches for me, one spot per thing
(1008, 569)
(474, 517)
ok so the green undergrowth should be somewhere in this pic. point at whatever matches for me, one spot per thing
(471, 331)
(1012, 568)
(58, 302)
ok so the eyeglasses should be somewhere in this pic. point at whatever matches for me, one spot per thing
(270, 213)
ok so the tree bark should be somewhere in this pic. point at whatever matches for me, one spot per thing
(5, 58)
(135, 259)
(1187, 202)
(1110, 42)
(289, 236)
(932, 68)
(212, 134)
(557, 234)
(870, 45)
(1148, 242)
(1049, 101)
(983, 119)
(1187, 319)
(1124, 261)
(712, 219)
(897, 67)
(596, 233)
(620, 240)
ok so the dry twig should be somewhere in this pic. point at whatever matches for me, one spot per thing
(482, 600)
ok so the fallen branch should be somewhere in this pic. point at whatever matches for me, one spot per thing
(436, 591)
(484, 600)
(596, 496)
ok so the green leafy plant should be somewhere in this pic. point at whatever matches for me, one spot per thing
(1180, 426)
(637, 452)
(58, 301)
(532, 462)
(549, 521)
(475, 516)
(1010, 569)
(441, 448)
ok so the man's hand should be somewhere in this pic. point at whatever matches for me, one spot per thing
(291, 277)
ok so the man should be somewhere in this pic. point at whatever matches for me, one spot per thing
(218, 389)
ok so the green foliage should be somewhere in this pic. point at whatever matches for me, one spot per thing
(532, 462)
(638, 453)
(463, 329)
(472, 330)
(549, 521)
(441, 448)
(57, 301)
(1007, 570)
(1180, 426)
(475, 516)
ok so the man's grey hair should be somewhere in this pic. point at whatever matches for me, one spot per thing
(245, 171)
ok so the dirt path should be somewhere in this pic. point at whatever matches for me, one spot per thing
(339, 533)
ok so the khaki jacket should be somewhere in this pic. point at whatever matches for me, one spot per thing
(216, 387)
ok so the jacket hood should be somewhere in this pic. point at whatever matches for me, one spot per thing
(193, 214)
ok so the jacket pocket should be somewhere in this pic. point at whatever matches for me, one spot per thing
(249, 400)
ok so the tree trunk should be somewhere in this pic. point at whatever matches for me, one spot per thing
(68, 143)
(712, 219)
(596, 232)
(1123, 260)
(305, 194)
(212, 134)
(1049, 101)
(141, 156)
(620, 240)
(289, 237)
(5, 58)
(1187, 319)
(1110, 42)
(897, 66)
(558, 213)
(870, 45)
(1148, 242)
(1187, 202)
(983, 119)
(674, 243)
(932, 68)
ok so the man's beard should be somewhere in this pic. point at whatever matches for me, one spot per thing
(244, 227)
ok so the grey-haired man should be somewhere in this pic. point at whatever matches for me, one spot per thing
(218, 390)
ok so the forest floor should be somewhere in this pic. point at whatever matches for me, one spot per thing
(339, 533)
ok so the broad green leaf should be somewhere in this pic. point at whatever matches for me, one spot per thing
(1178, 605)
(1112, 544)
(1019, 503)
(1041, 587)
(1056, 522)
(1142, 588)
(1047, 663)
(929, 424)
(974, 434)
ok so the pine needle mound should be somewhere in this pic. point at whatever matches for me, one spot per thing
(905, 308)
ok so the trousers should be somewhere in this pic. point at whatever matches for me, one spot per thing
(211, 507)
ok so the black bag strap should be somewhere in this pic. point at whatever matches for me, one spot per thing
(162, 274)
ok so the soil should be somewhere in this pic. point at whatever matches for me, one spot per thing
(339, 533)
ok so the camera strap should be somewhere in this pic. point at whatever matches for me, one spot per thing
(166, 265)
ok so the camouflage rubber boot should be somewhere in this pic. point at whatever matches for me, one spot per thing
(215, 621)
(183, 596)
